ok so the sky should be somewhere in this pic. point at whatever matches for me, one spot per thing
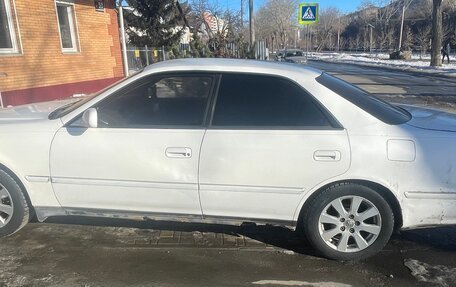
(345, 6)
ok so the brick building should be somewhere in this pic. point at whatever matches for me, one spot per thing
(52, 49)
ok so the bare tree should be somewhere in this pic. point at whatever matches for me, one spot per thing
(217, 27)
(450, 3)
(407, 42)
(422, 38)
(197, 17)
(279, 17)
(436, 33)
(386, 10)
(328, 24)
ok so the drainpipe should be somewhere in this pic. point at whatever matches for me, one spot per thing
(1, 98)
(124, 43)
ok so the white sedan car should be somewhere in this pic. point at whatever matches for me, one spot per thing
(233, 141)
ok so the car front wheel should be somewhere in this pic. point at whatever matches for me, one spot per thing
(348, 222)
(14, 208)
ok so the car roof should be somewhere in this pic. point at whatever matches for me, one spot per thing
(232, 65)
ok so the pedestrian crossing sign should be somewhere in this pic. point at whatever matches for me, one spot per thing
(308, 13)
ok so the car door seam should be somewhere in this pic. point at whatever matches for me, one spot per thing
(198, 173)
(49, 162)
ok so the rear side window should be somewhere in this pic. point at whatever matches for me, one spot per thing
(266, 101)
(378, 108)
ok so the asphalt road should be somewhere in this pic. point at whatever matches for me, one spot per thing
(182, 254)
(395, 86)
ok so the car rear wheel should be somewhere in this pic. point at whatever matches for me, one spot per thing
(348, 222)
(14, 208)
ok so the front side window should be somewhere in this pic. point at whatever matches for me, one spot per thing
(65, 16)
(7, 35)
(266, 101)
(158, 102)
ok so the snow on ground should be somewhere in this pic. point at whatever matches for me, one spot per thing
(382, 60)
(436, 275)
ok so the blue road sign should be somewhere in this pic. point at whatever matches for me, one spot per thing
(308, 13)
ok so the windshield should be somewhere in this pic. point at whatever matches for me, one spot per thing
(66, 109)
(378, 108)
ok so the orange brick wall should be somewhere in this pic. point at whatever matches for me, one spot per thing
(42, 63)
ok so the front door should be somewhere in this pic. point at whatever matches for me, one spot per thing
(269, 143)
(144, 154)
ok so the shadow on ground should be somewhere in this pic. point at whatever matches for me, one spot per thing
(276, 236)
(443, 238)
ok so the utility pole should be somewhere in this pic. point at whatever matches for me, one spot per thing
(123, 38)
(242, 13)
(402, 27)
(252, 25)
(436, 33)
(370, 37)
(338, 36)
(296, 38)
(307, 43)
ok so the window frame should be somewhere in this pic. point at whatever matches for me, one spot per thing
(71, 11)
(334, 123)
(159, 76)
(9, 17)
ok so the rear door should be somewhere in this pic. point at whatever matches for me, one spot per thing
(269, 142)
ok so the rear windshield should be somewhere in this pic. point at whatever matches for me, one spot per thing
(378, 108)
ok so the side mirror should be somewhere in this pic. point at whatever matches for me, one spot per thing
(90, 118)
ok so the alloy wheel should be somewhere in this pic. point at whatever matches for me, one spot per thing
(350, 224)
(6, 206)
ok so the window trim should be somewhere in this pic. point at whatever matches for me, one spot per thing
(71, 10)
(160, 75)
(9, 18)
(335, 124)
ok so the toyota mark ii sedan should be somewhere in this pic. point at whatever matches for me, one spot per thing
(233, 141)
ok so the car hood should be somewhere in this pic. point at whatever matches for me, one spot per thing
(430, 119)
(34, 111)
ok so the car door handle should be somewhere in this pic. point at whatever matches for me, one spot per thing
(327, 155)
(178, 152)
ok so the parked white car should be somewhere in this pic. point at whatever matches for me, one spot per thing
(234, 141)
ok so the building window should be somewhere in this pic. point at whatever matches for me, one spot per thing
(7, 35)
(67, 27)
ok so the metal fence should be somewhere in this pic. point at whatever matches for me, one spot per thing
(140, 57)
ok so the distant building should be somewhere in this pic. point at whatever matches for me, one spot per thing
(215, 24)
(52, 49)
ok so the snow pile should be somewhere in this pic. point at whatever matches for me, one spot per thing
(382, 60)
(436, 275)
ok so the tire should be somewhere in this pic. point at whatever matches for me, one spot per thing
(359, 230)
(14, 208)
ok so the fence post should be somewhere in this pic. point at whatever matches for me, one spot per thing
(163, 51)
(147, 56)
